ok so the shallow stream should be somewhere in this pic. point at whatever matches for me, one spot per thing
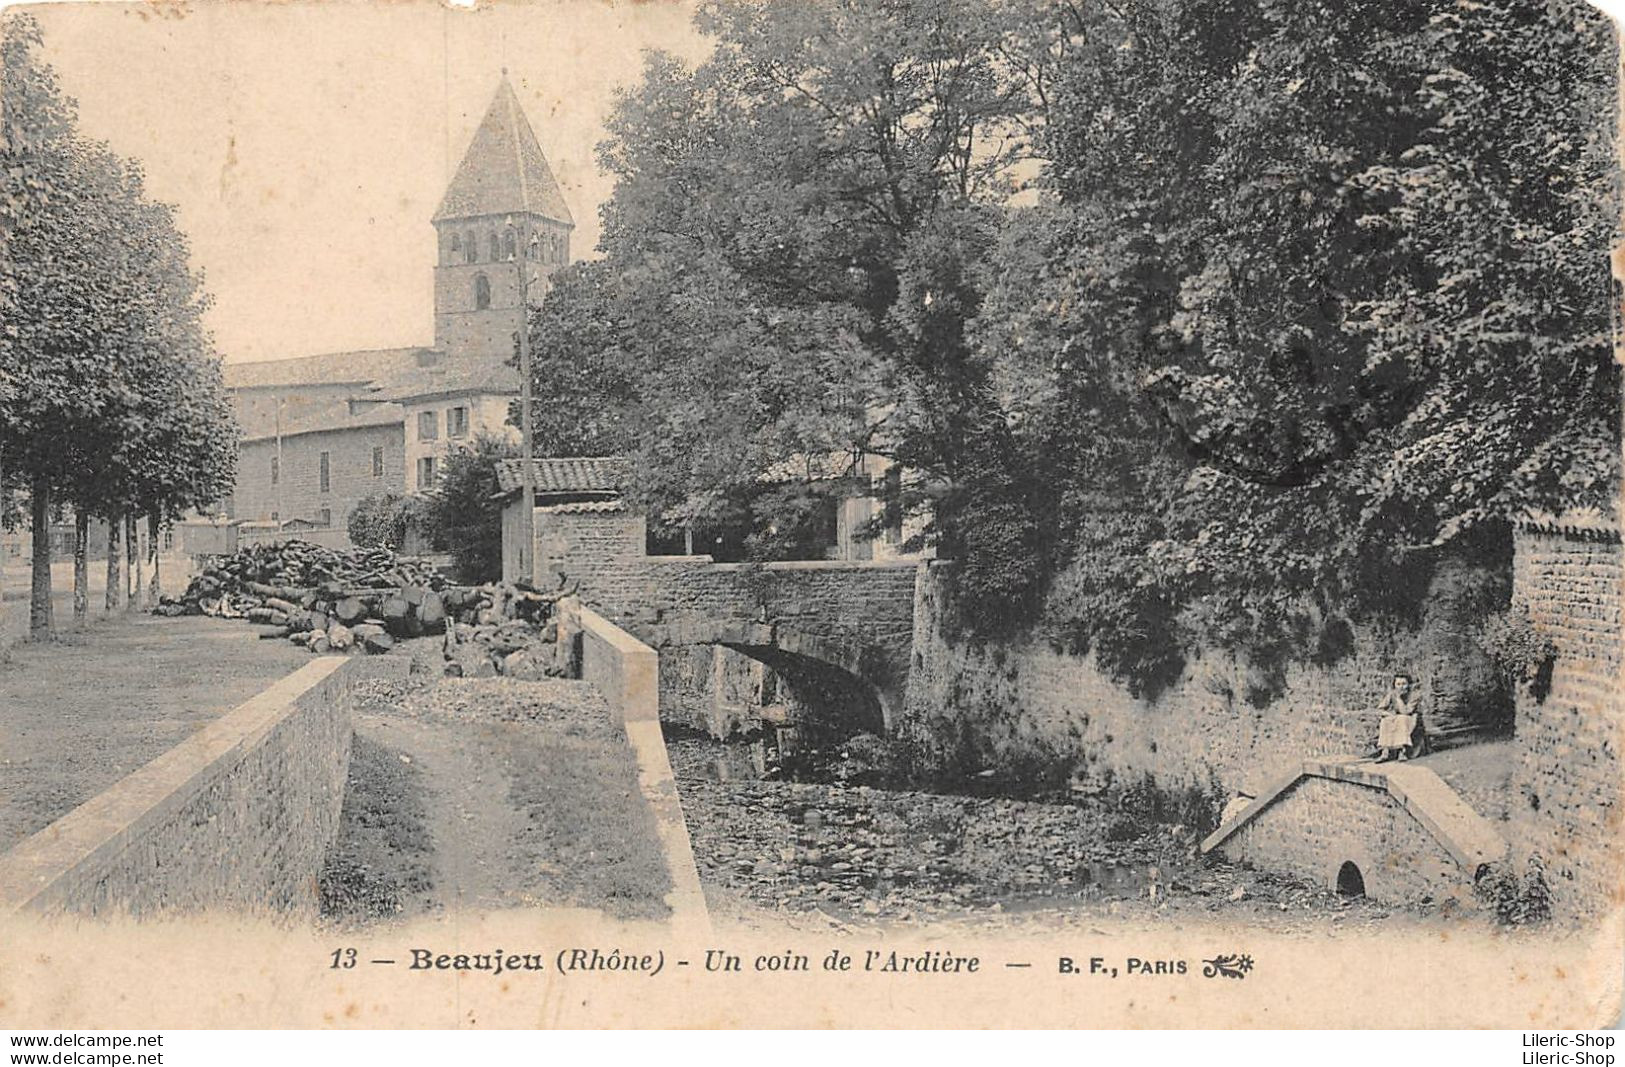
(845, 845)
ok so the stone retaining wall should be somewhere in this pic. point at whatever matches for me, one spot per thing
(619, 666)
(1020, 704)
(1568, 803)
(238, 816)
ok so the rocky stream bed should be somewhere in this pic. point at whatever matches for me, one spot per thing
(850, 854)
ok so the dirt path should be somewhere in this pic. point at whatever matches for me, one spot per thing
(472, 822)
(486, 794)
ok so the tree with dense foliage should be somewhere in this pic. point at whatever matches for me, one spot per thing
(381, 521)
(1305, 301)
(114, 397)
(36, 121)
(462, 514)
(1320, 297)
(789, 252)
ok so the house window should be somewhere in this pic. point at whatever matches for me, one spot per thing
(276, 469)
(457, 422)
(327, 470)
(378, 461)
(169, 538)
(428, 425)
(327, 516)
(425, 472)
(482, 292)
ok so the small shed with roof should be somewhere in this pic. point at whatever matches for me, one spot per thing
(580, 515)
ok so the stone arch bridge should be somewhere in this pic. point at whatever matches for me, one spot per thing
(836, 636)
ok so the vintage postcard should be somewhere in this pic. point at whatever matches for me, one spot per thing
(810, 513)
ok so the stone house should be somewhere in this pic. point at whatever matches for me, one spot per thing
(444, 407)
(581, 515)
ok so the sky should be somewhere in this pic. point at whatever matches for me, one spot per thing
(306, 146)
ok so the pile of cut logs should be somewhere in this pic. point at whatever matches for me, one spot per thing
(366, 600)
(513, 630)
(320, 598)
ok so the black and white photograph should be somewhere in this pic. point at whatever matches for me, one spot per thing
(874, 514)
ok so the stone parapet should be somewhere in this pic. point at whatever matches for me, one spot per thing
(1397, 823)
(626, 672)
(239, 816)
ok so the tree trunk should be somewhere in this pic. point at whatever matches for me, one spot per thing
(154, 588)
(81, 568)
(115, 580)
(132, 552)
(39, 607)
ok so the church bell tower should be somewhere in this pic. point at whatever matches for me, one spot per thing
(503, 212)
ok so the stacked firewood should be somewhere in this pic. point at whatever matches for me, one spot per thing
(509, 630)
(321, 598)
(367, 600)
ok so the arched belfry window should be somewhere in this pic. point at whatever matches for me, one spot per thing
(508, 245)
(471, 247)
(496, 249)
(482, 292)
(454, 247)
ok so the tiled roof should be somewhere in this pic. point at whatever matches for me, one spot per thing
(583, 507)
(330, 368)
(462, 376)
(504, 170)
(587, 474)
(327, 422)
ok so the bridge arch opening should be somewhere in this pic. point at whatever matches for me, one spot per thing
(833, 701)
(1350, 882)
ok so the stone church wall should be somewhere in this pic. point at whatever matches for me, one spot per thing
(299, 494)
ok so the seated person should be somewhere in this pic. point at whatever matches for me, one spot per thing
(1399, 732)
(1238, 804)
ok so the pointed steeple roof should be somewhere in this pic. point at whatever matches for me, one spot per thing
(504, 170)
